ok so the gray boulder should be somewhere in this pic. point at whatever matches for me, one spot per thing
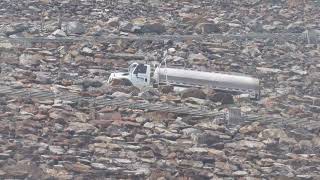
(224, 98)
(73, 28)
(193, 92)
(153, 28)
(15, 28)
(296, 27)
(30, 59)
(207, 28)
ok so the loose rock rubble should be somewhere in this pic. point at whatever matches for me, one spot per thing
(59, 139)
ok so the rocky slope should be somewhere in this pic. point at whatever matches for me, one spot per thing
(54, 139)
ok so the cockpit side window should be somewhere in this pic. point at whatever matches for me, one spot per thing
(141, 68)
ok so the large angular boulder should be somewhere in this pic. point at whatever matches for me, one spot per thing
(86, 83)
(224, 98)
(30, 59)
(113, 22)
(59, 33)
(43, 78)
(166, 89)
(316, 141)
(296, 27)
(15, 28)
(78, 127)
(121, 82)
(6, 45)
(150, 94)
(207, 28)
(208, 138)
(56, 150)
(86, 51)
(197, 59)
(272, 134)
(153, 27)
(246, 144)
(73, 28)
(193, 92)
(78, 167)
(250, 2)
(8, 57)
